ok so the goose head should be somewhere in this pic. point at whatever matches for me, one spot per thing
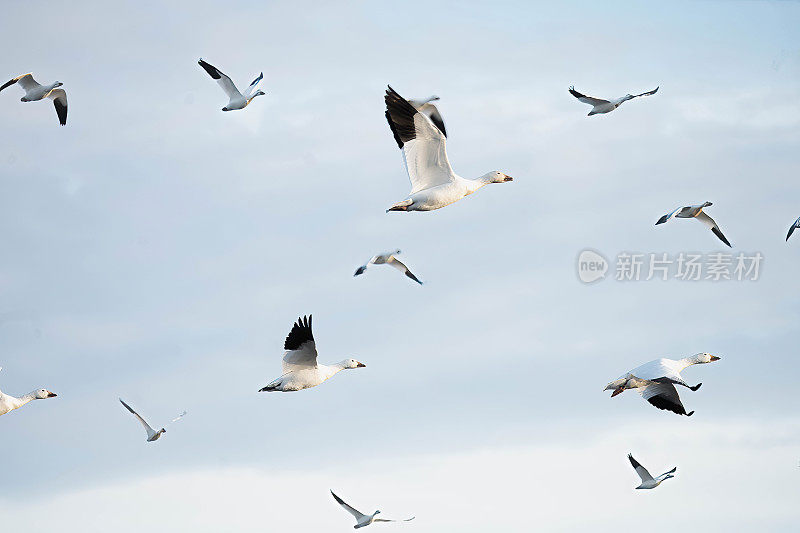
(703, 358)
(706, 204)
(43, 394)
(57, 84)
(352, 363)
(496, 177)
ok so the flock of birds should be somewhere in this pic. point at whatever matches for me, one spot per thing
(419, 130)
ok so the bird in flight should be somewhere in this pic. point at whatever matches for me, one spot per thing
(600, 106)
(696, 212)
(35, 91)
(300, 367)
(648, 481)
(236, 100)
(388, 259)
(656, 381)
(152, 435)
(433, 183)
(363, 520)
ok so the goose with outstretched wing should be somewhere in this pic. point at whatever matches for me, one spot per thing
(601, 106)
(433, 183)
(236, 100)
(363, 520)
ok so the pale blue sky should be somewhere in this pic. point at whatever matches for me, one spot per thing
(158, 249)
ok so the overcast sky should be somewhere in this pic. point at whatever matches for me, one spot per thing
(158, 249)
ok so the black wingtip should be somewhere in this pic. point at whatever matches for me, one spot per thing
(690, 413)
(662, 220)
(694, 389)
(719, 234)
(300, 334)
(575, 93)
(211, 70)
(360, 271)
(412, 276)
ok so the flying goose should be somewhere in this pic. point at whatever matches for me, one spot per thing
(696, 212)
(152, 435)
(433, 182)
(300, 367)
(648, 482)
(431, 111)
(363, 520)
(656, 381)
(35, 91)
(9, 403)
(389, 259)
(792, 227)
(237, 100)
(600, 106)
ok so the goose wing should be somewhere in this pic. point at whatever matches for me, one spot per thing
(59, 98)
(648, 93)
(254, 84)
(791, 229)
(147, 427)
(25, 80)
(301, 350)
(708, 221)
(587, 99)
(642, 471)
(668, 216)
(396, 263)
(423, 144)
(358, 515)
(653, 370)
(223, 80)
(387, 520)
(664, 396)
(178, 417)
(432, 112)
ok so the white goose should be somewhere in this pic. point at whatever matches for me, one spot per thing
(388, 259)
(696, 212)
(300, 367)
(431, 111)
(152, 435)
(363, 520)
(34, 91)
(8, 403)
(600, 106)
(792, 228)
(648, 481)
(433, 183)
(656, 381)
(236, 99)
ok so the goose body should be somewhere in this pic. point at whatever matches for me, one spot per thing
(656, 381)
(363, 520)
(648, 481)
(8, 402)
(35, 91)
(388, 259)
(236, 100)
(300, 367)
(433, 183)
(601, 106)
(696, 212)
